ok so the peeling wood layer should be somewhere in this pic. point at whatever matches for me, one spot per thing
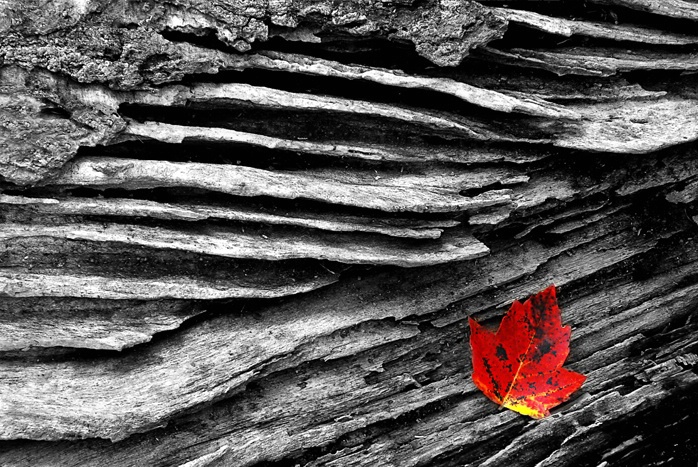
(313, 66)
(127, 207)
(93, 324)
(640, 128)
(680, 9)
(174, 134)
(273, 246)
(594, 62)
(24, 284)
(568, 28)
(213, 94)
(399, 193)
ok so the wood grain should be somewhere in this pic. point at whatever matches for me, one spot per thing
(250, 233)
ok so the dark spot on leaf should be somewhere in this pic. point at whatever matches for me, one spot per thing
(501, 353)
(495, 385)
(542, 350)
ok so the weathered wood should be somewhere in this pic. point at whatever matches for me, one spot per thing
(435, 192)
(95, 324)
(53, 284)
(687, 195)
(249, 234)
(313, 66)
(641, 127)
(442, 32)
(563, 88)
(568, 28)
(269, 98)
(407, 152)
(594, 62)
(318, 316)
(672, 8)
(37, 139)
(255, 244)
(126, 207)
(474, 406)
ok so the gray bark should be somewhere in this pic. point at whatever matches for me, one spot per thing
(252, 233)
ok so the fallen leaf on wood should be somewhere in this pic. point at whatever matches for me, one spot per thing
(520, 366)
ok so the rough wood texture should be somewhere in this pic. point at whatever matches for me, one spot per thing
(392, 191)
(617, 32)
(672, 8)
(105, 324)
(243, 233)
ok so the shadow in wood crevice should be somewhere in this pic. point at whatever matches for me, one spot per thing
(355, 125)
(678, 327)
(668, 428)
(355, 89)
(229, 153)
(379, 52)
(521, 37)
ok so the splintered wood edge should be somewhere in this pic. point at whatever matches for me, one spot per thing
(672, 8)
(568, 28)
(88, 323)
(246, 181)
(481, 97)
(132, 207)
(235, 243)
(23, 284)
(274, 98)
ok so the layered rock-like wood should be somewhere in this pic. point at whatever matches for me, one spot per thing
(251, 233)
(86, 324)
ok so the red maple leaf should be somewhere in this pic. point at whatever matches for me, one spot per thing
(520, 366)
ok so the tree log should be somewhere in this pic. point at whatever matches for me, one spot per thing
(244, 233)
